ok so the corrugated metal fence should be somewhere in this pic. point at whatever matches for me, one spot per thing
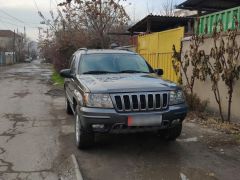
(7, 58)
(156, 48)
(230, 18)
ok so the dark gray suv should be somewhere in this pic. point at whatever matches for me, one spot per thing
(117, 91)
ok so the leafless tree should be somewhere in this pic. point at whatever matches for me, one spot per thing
(168, 7)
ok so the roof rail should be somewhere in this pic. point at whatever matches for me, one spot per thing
(80, 49)
(125, 48)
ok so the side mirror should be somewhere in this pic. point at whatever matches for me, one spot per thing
(159, 72)
(66, 73)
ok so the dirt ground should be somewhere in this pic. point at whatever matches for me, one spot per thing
(36, 136)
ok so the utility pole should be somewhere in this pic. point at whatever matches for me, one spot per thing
(28, 49)
(14, 38)
(24, 33)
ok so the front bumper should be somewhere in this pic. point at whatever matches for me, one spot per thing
(118, 122)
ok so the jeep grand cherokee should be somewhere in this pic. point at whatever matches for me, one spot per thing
(117, 91)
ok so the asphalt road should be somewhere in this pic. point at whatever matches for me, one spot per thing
(29, 125)
(36, 136)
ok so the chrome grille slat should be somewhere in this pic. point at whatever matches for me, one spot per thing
(154, 101)
(123, 104)
(134, 102)
(131, 103)
(139, 102)
(158, 108)
(161, 100)
(146, 99)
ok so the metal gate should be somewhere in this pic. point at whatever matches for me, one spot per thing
(156, 48)
(2, 58)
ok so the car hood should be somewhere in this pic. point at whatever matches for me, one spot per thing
(120, 83)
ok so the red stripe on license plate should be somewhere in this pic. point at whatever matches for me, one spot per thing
(130, 121)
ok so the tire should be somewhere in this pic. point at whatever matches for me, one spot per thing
(68, 107)
(173, 133)
(83, 138)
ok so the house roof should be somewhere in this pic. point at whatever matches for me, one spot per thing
(159, 23)
(208, 5)
(8, 33)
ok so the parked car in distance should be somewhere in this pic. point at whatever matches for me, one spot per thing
(28, 59)
(117, 91)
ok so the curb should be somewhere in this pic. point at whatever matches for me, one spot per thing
(76, 168)
(69, 169)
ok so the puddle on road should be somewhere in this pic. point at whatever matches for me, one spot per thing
(21, 94)
(17, 120)
(55, 92)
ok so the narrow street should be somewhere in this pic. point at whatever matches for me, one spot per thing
(36, 136)
(30, 124)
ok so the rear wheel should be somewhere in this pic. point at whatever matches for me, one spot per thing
(171, 134)
(83, 138)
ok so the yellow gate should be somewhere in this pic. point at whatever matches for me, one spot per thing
(156, 48)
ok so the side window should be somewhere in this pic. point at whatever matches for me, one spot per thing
(73, 66)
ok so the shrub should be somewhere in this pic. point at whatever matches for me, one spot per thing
(195, 103)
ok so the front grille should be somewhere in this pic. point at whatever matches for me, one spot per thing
(140, 101)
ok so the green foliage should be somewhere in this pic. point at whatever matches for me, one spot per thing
(57, 79)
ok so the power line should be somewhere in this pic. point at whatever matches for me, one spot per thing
(36, 6)
(4, 12)
(42, 16)
(26, 23)
(6, 22)
(11, 17)
(17, 25)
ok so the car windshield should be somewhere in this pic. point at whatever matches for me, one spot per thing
(113, 63)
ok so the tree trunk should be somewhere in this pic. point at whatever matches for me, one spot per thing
(218, 99)
(230, 101)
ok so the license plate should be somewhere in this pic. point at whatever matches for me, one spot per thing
(145, 120)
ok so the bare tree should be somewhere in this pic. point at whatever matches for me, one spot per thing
(98, 17)
(168, 7)
(150, 8)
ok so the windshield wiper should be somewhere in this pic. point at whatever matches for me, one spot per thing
(132, 71)
(98, 72)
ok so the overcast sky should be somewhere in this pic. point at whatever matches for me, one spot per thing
(24, 12)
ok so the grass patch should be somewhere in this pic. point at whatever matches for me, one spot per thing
(57, 79)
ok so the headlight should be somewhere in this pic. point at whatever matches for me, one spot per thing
(176, 97)
(98, 100)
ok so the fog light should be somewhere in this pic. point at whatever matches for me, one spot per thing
(98, 126)
(176, 121)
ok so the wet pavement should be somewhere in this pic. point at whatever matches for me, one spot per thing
(29, 126)
(36, 136)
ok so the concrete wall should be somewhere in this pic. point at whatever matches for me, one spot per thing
(6, 43)
(204, 89)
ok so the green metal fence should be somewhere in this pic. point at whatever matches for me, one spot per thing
(228, 18)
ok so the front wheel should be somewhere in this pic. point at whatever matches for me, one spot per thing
(68, 107)
(172, 134)
(83, 138)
